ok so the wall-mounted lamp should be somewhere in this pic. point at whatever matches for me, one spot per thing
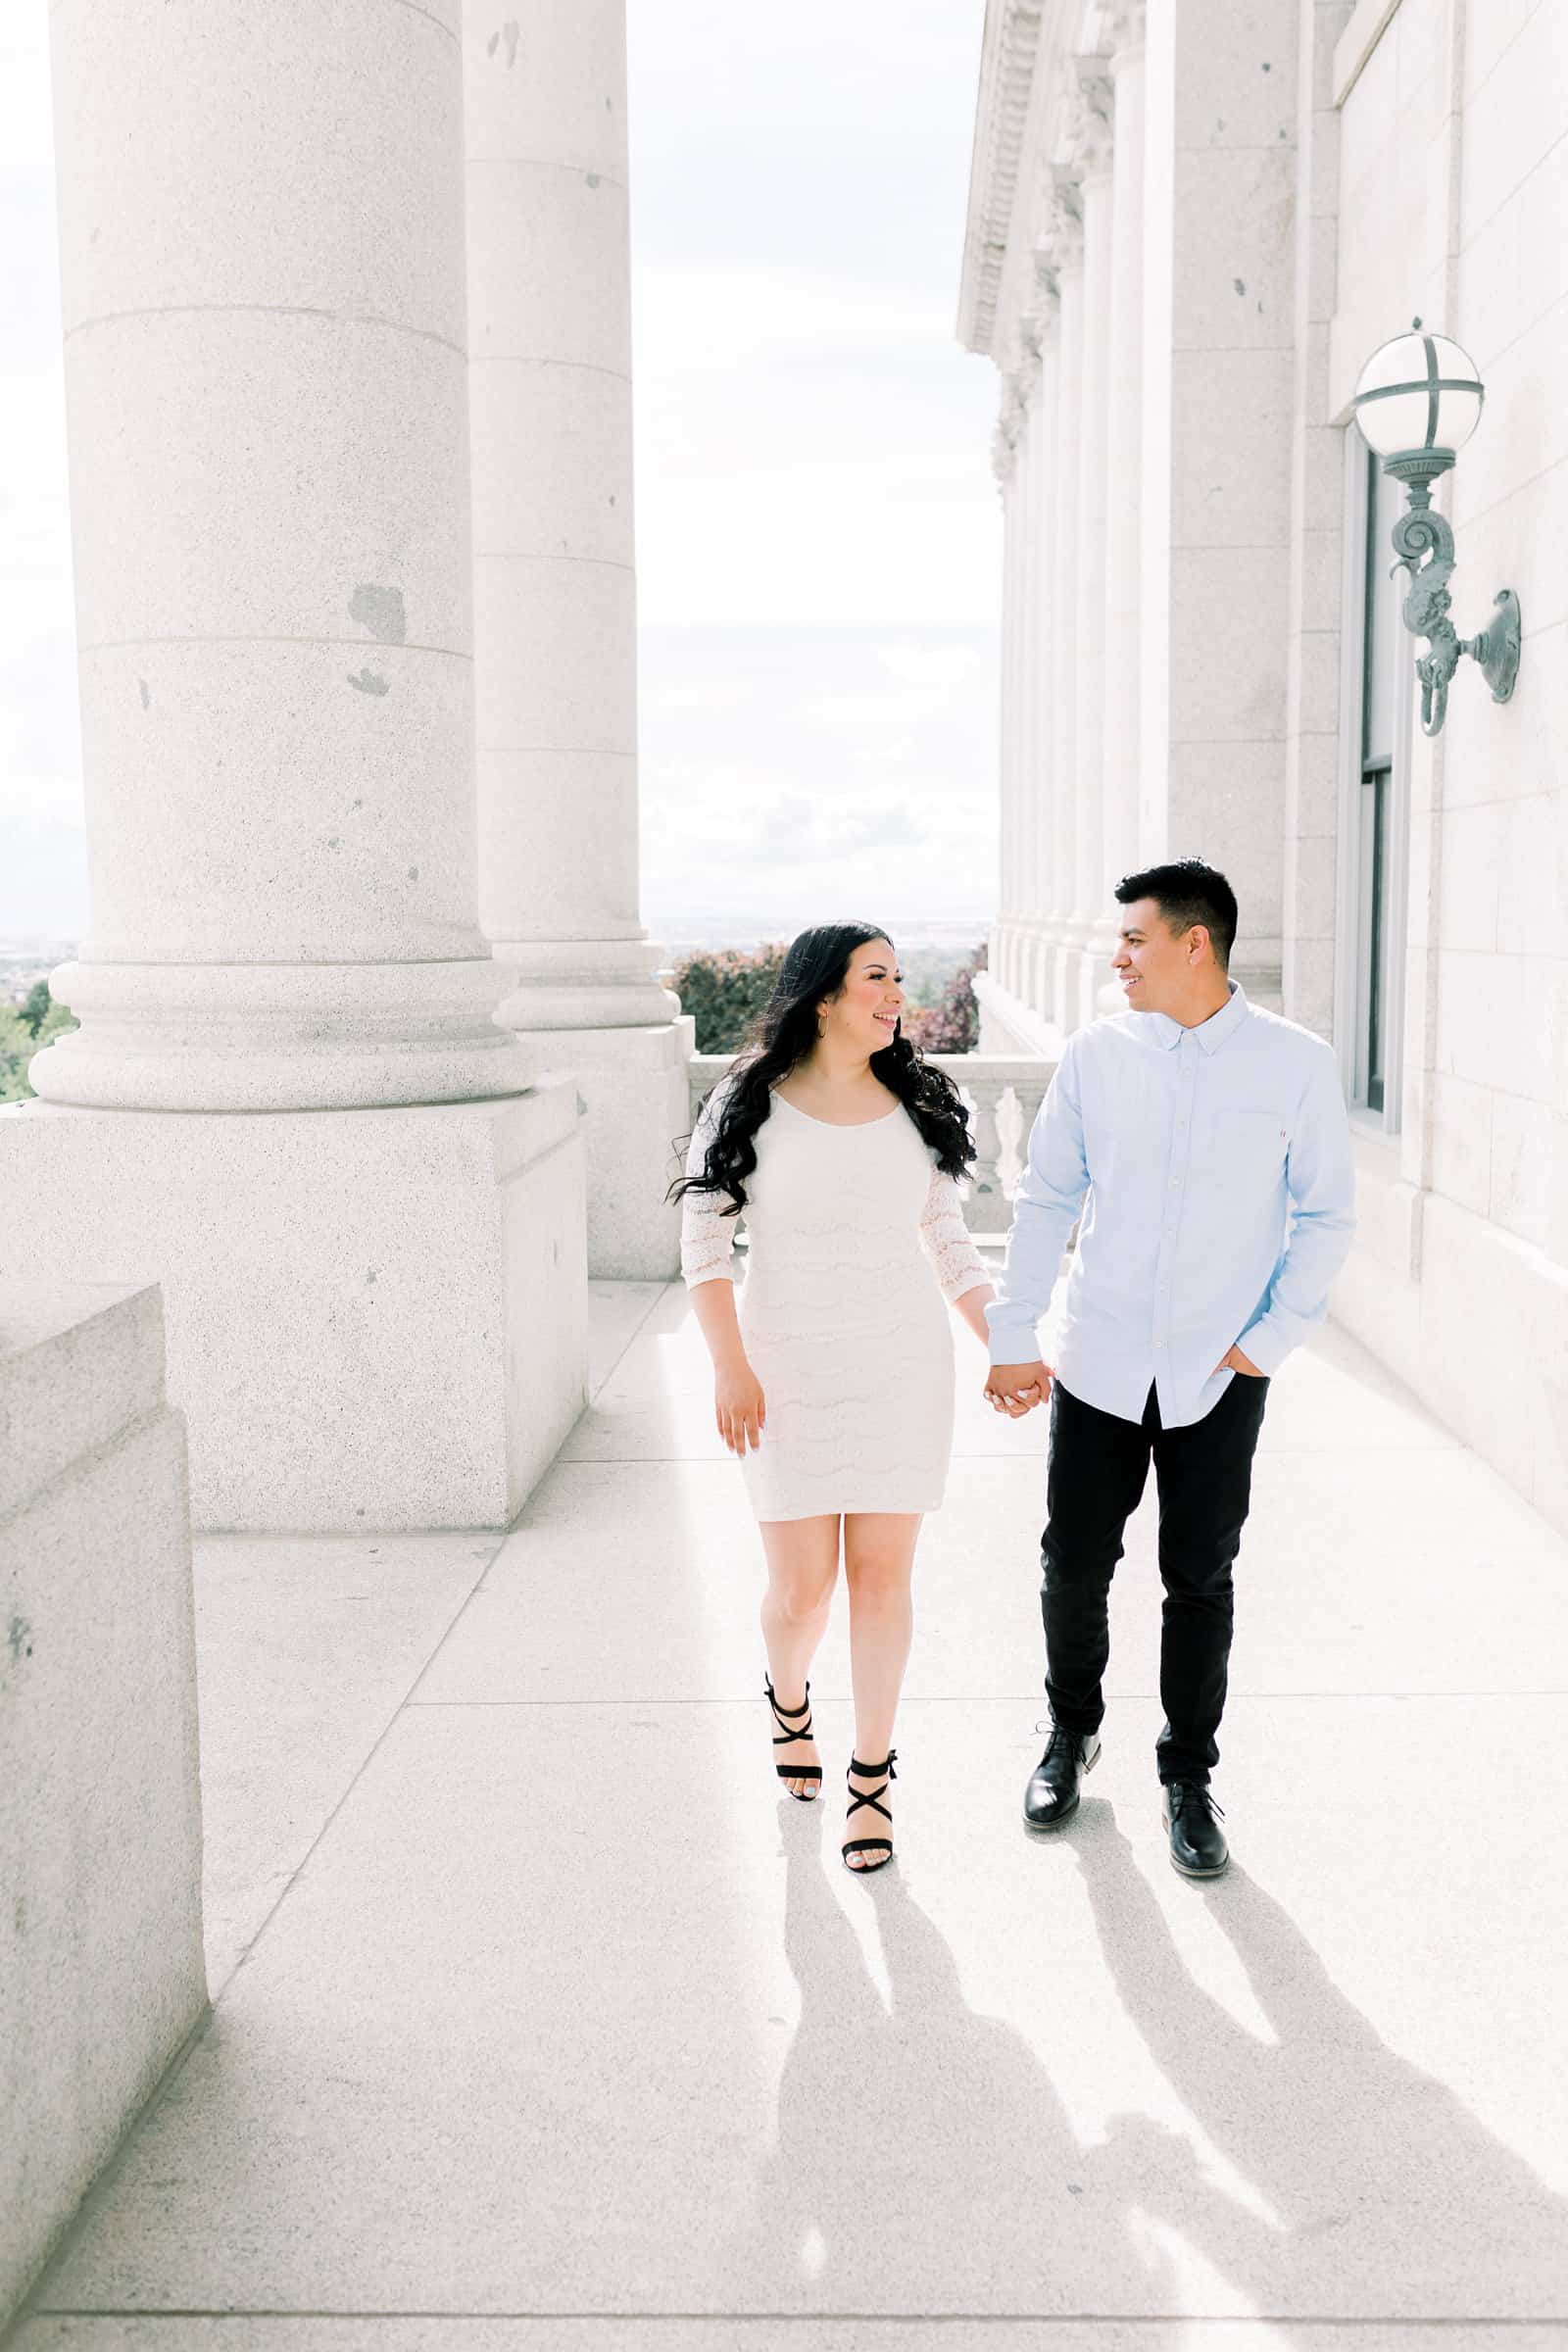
(1417, 403)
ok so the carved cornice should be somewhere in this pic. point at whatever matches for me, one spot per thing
(1006, 77)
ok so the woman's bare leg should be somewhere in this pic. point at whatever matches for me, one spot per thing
(802, 1567)
(878, 1563)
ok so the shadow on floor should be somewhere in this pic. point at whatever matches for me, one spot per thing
(915, 2122)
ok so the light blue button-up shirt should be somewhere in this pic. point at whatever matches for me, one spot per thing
(1220, 1206)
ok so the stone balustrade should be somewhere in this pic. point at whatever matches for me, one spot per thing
(1001, 1092)
(101, 1971)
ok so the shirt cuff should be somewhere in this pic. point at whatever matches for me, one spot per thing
(1014, 1342)
(1266, 1346)
(701, 1274)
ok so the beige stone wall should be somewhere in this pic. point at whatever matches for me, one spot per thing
(1314, 173)
(1453, 192)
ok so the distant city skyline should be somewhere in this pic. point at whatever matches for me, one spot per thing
(818, 540)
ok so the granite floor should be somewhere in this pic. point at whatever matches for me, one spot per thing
(540, 2021)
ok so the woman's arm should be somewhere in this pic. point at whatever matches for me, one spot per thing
(972, 1306)
(960, 1268)
(707, 1266)
(740, 1410)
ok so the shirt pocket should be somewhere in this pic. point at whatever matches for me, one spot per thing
(1252, 1144)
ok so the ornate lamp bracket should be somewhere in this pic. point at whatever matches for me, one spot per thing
(1422, 543)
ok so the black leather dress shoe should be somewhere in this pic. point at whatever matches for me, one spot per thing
(1198, 1845)
(1052, 1791)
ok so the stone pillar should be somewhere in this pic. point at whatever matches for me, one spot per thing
(1124, 471)
(1004, 464)
(1036, 988)
(267, 389)
(555, 598)
(100, 1787)
(1064, 665)
(1027, 785)
(271, 537)
(1092, 152)
(1220, 340)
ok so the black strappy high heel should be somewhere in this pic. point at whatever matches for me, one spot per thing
(782, 1739)
(861, 1845)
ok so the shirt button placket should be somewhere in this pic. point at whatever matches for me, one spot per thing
(1181, 1148)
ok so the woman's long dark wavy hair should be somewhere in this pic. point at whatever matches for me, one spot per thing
(784, 1033)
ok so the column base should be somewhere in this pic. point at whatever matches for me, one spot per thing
(266, 1036)
(1066, 965)
(636, 1095)
(1084, 987)
(1009, 1026)
(582, 983)
(376, 1318)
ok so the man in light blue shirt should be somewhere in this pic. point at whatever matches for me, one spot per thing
(1206, 1145)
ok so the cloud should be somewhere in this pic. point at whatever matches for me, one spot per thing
(773, 808)
(818, 536)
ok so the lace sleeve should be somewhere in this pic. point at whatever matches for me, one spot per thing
(959, 1265)
(706, 1235)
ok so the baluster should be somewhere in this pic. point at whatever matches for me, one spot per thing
(1010, 1138)
(988, 1205)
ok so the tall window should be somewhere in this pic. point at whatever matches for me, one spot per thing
(1374, 829)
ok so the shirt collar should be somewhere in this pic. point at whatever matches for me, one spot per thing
(1160, 1030)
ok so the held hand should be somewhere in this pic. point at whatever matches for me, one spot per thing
(1233, 1360)
(1016, 1389)
(740, 1408)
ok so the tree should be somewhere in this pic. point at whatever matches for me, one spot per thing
(952, 1025)
(725, 990)
(21, 1035)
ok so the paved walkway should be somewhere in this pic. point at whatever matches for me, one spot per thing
(541, 2022)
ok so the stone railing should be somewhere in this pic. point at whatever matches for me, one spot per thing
(101, 1972)
(1001, 1092)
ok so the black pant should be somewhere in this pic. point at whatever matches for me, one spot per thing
(1204, 1473)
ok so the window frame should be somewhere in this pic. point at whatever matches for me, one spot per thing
(1354, 982)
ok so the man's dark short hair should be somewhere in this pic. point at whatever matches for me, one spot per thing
(1188, 892)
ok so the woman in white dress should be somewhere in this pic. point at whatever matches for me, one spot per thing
(833, 1381)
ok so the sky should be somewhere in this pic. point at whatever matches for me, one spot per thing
(818, 528)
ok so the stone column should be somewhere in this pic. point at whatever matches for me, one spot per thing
(1027, 784)
(1067, 230)
(1123, 461)
(555, 598)
(1092, 152)
(262, 258)
(1036, 988)
(1220, 341)
(271, 534)
(1005, 462)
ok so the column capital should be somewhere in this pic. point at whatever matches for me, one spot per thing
(1010, 424)
(1124, 27)
(1088, 137)
(1063, 232)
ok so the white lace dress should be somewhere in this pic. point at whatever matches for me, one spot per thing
(856, 1240)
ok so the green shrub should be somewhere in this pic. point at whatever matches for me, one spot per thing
(24, 1030)
(725, 990)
